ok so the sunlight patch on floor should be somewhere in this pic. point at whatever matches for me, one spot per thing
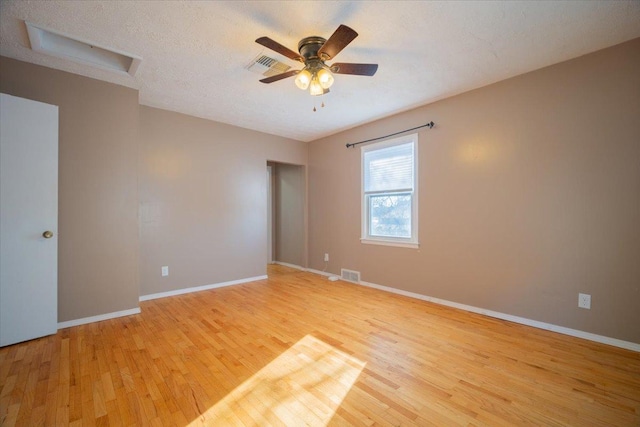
(305, 385)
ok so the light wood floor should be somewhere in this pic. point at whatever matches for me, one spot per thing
(299, 350)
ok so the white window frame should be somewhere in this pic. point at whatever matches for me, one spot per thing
(407, 242)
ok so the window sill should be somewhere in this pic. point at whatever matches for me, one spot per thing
(410, 245)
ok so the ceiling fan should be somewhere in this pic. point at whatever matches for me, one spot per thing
(314, 51)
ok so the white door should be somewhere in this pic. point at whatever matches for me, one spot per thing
(28, 219)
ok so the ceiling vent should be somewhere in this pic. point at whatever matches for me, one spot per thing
(267, 66)
(63, 46)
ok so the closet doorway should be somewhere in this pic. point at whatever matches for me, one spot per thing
(286, 193)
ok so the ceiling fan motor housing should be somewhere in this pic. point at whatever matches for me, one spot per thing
(309, 47)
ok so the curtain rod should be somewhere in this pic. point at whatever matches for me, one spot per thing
(353, 144)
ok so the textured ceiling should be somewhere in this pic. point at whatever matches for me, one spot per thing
(195, 53)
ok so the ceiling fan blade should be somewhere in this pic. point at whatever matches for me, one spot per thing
(357, 69)
(338, 41)
(277, 47)
(280, 76)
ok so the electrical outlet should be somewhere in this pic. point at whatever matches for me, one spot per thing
(165, 270)
(584, 301)
(326, 257)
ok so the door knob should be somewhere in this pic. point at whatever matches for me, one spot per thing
(47, 234)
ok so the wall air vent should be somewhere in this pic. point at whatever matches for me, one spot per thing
(350, 275)
(63, 46)
(267, 66)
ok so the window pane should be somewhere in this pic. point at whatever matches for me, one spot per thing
(390, 215)
(389, 168)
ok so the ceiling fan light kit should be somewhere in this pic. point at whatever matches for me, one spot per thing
(313, 52)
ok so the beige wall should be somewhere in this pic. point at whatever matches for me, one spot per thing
(203, 199)
(98, 208)
(529, 194)
(290, 202)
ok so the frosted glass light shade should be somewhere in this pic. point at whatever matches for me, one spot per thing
(303, 79)
(315, 88)
(325, 78)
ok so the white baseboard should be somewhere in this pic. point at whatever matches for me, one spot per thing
(322, 273)
(99, 318)
(516, 319)
(286, 264)
(199, 288)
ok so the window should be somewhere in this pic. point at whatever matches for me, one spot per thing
(389, 192)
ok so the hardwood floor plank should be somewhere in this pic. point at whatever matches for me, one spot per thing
(322, 353)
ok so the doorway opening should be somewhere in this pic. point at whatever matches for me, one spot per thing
(286, 225)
